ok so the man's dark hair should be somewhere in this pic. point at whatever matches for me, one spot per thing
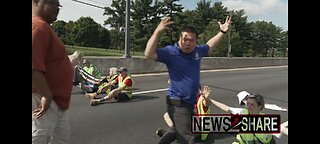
(189, 29)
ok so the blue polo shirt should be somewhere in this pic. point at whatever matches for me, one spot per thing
(184, 71)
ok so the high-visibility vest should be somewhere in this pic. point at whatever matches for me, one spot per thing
(93, 71)
(251, 138)
(127, 89)
(110, 79)
(200, 110)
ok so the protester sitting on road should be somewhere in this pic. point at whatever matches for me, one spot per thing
(91, 71)
(255, 103)
(123, 92)
(113, 74)
(105, 86)
(90, 78)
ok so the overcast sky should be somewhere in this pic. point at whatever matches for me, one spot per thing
(275, 11)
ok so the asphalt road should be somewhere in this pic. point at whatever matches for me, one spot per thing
(135, 121)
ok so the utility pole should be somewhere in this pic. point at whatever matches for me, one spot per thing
(229, 45)
(229, 33)
(127, 34)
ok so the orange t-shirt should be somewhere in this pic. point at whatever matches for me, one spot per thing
(50, 57)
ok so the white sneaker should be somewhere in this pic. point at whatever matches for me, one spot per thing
(79, 85)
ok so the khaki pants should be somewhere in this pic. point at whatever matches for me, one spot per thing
(53, 127)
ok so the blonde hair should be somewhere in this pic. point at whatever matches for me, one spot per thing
(76, 57)
(113, 70)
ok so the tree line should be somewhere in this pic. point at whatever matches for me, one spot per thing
(254, 39)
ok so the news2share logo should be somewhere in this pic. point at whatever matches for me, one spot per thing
(229, 123)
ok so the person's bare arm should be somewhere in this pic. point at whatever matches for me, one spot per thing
(168, 120)
(89, 80)
(150, 51)
(213, 42)
(220, 105)
(107, 86)
(40, 84)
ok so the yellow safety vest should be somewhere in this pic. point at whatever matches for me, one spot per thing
(200, 110)
(110, 79)
(127, 89)
(251, 138)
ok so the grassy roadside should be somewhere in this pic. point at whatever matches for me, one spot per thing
(89, 51)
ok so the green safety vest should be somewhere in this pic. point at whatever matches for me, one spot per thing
(93, 71)
(251, 138)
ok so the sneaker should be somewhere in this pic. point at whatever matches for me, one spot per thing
(78, 85)
(160, 132)
(95, 102)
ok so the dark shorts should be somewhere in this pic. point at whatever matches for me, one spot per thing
(121, 97)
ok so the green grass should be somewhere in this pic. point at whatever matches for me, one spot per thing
(89, 51)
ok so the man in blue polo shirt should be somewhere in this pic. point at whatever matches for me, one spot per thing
(183, 62)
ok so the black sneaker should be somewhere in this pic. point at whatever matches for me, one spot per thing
(160, 132)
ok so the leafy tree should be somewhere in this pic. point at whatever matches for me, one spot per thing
(265, 36)
(86, 32)
(63, 31)
(219, 12)
(69, 39)
(204, 14)
(142, 25)
(104, 38)
(59, 28)
(241, 26)
(116, 20)
(210, 31)
(172, 9)
(283, 47)
(113, 41)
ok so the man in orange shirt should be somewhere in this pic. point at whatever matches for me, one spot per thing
(52, 75)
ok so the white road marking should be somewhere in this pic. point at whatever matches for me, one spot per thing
(285, 124)
(274, 107)
(149, 91)
(215, 70)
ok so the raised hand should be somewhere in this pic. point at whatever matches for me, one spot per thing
(224, 27)
(206, 91)
(164, 24)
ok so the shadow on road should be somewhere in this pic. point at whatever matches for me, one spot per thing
(135, 98)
